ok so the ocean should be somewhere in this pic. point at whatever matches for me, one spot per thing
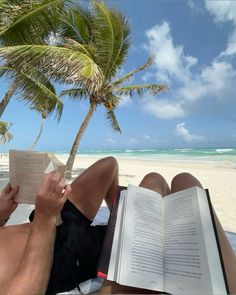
(210, 155)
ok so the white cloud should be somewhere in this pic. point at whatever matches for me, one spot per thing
(215, 80)
(224, 11)
(146, 136)
(163, 109)
(195, 7)
(185, 135)
(213, 83)
(110, 140)
(125, 100)
(169, 60)
(132, 141)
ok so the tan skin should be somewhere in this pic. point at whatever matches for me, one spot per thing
(26, 250)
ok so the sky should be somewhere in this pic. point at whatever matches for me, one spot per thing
(193, 44)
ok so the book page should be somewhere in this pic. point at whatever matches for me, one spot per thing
(141, 261)
(57, 164)
(186, 268)
(26, 171)
(115, 251)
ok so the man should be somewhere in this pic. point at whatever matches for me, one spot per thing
(39, 257)
(26, 251)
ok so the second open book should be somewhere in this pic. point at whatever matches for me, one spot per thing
(166, 244)
(27, 169)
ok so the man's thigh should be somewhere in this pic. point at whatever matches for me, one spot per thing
(89, 188)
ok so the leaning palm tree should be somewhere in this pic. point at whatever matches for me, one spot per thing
(5, 135)
(26, 22)
(103, 35)
(45, 108)
(35, 22)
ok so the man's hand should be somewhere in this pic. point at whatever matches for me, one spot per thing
(51, 196)
(7, 203)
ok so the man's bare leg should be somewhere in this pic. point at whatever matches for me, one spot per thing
(186, 180)
(155, 182)
(97, 182)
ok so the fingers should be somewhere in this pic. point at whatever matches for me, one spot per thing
(54, 181)
(59, 189)
(67, 190)
(9, 192)
(49, 182)
(14, 191)
(7, 188)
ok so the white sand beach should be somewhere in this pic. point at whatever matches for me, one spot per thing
(218, 178)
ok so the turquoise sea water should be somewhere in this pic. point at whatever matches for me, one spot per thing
(227, 155)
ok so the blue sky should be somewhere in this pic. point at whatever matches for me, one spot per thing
(194, 48)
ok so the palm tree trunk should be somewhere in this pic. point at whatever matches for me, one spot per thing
(73, 152)
(7, 97)
(40, 133)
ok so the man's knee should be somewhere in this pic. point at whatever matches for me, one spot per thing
(109, 164)
(184, 180)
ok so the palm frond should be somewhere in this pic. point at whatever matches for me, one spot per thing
(111, 38)
(40, 95)
(122, 41)
(104, 36)
(76, 24)
(140, 89)
(9, 136)
(5, 135)
(113, 121)
(130, 74)
(28, 22)
(37, 91)
(111, 101)
(2, 71)
(75, 94)
(73, 45)
(61, 64)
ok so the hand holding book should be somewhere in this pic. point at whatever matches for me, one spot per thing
(7, 203)
(27, 169)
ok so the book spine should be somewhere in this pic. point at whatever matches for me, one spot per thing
(104, 259)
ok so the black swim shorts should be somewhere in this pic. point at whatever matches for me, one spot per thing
(76, 252)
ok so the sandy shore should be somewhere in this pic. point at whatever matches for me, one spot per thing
(219, 179)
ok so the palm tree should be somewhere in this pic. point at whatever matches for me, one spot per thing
(94, 43)
(46, 108)
(103, 34)
(26, 22)
(30, 22)
(5, 135)
(43, 118)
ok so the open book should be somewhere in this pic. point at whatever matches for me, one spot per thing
(166, 244)
(27, 169)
